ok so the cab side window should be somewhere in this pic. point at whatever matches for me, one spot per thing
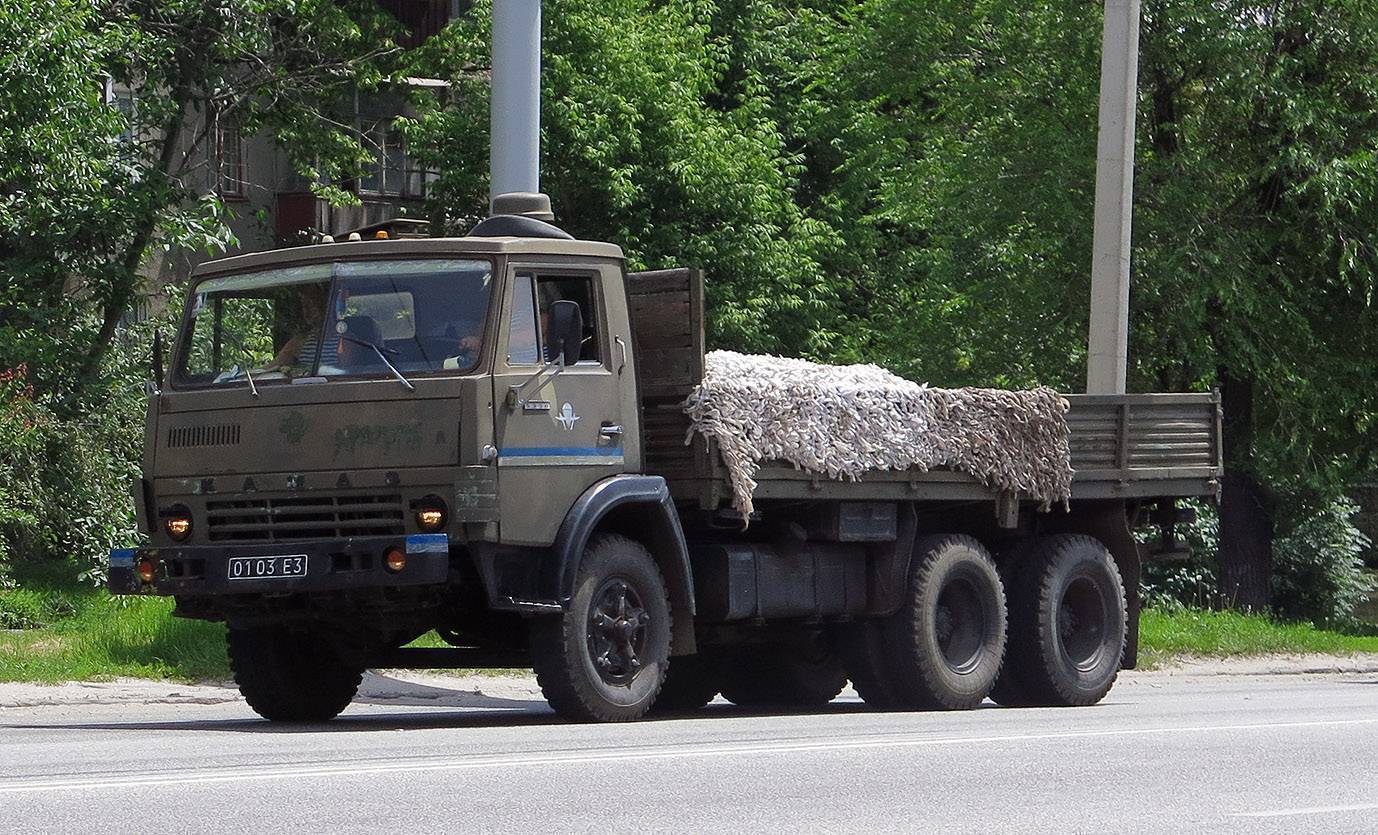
(578, 289)
(523, 339)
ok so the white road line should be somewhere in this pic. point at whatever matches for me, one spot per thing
(93, 782)
(1314, 810)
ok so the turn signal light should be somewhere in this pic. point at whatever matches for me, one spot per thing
(178, 527)
(148, 570)
(395, 560)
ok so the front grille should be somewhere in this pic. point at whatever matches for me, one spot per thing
(225, 434)
(303, 517)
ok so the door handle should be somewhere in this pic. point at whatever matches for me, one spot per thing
(610, 430)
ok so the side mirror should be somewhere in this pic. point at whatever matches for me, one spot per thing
(566, 337)
(158, 360)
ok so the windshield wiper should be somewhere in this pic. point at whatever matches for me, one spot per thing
(248, 375)
(378, 349)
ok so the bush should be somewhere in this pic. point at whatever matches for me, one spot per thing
(1318, 568)
(1192, 583)
(66, 475)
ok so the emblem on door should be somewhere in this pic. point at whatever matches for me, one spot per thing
(567, 417)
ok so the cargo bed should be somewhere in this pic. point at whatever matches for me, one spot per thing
(1132, 446)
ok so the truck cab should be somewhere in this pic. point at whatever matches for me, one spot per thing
(359, 442)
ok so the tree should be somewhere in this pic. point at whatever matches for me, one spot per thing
(90, 192)
(971, 169)
(1257, 249)
(657, 134)
(96, 190)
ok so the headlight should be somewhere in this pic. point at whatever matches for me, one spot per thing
(177, 522)
(430, 514)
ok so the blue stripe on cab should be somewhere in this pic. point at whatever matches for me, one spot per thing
(428, 543)
(556, 451)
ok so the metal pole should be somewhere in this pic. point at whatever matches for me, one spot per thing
(1108, 343)
(515, 128)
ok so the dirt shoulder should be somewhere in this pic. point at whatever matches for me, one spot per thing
(395, 687)
(1265, 665)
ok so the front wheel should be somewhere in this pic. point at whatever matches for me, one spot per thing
(605, 657)
(289, 675)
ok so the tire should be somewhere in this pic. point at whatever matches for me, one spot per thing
(861, 646)
(807, 675)
(605, 657)
(289, 675)
(1068, 622)
(946, 642)
(691, 682)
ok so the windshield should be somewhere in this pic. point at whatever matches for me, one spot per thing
(336, 320)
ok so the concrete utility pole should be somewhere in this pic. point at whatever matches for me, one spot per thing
(1108, 345)
(515, 128)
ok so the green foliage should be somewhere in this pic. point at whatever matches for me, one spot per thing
(897, 182)
(1191, 583)
(94, 195)
(1318, 568)
(659, 135)
(65, 481)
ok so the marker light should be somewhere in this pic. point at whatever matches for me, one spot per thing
(382, 235)
(395, 560)
(148, 570)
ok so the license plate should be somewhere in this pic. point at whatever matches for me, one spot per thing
(266, 568)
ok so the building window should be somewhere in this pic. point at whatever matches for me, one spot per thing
(393, 172)
(229, 156)
(122, 99)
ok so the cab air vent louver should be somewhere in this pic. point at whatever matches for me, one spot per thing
(225, 434)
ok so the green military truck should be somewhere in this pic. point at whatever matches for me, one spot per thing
(359, 443)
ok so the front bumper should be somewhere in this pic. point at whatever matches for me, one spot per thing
(331, 565)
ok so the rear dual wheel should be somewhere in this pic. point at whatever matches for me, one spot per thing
(1068, 623)
(946, 642)
(942, 650)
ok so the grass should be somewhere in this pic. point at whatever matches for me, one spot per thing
(79, 633)
(1164, 635)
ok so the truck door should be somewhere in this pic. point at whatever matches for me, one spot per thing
(560, 434)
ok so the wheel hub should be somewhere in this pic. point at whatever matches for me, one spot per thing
(959, 625)
(617, 631)
(1082, 624)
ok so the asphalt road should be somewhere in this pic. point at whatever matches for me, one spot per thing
(1265, 754)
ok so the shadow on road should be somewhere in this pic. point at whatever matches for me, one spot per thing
(448, 709)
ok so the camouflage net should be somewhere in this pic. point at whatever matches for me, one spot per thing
(841, 421)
